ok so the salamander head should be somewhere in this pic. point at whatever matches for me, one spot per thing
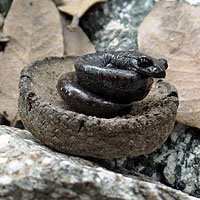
(151, 67)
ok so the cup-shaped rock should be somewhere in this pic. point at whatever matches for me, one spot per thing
(49, 118)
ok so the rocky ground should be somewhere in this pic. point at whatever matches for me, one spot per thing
(30, 171)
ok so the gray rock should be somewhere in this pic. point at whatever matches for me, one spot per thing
(183, 163)
(4, 6)
(119, 24)
(45, 115)
(30, 170)
(192, 2)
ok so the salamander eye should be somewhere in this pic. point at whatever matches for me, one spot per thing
(144, 62)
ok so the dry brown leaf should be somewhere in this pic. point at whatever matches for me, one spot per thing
(77, 8)
(172, 31)
(76, 42)
(35, 30)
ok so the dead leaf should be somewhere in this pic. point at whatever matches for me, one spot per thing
(76, 42)
(35, 31)
(77, 8)
(172, 31)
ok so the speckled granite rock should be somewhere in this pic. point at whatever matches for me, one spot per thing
(193, 2)
(29, 170)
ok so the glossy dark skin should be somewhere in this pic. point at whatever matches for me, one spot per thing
(122, 77)
(130, 60)
(106, 83)
(82, 101)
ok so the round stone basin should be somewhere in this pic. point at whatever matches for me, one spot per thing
(49, 119)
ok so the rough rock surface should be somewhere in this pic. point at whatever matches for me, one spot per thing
(192, 2)
(30, 170)
(44, 113)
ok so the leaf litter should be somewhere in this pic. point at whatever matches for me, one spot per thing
(35, 32)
